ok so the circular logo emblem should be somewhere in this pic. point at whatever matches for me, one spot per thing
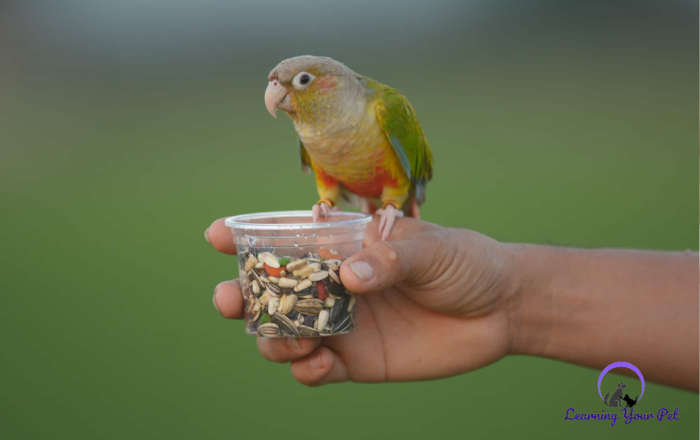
(618, 365)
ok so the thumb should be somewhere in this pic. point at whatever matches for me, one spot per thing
(382, 265)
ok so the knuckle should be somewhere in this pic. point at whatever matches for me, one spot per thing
(302, 376)
(407, 227)
(392, 260)
(280, 351)
(274, 356)
(272, 352)
(389, 251)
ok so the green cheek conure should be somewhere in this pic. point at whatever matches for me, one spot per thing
(358, 136)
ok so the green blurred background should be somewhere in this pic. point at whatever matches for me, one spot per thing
(127, 127)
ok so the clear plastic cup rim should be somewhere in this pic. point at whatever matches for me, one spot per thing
(347, 220)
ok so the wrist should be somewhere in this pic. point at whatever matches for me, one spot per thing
(529, 307)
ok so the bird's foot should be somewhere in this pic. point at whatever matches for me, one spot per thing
(322, 209)
(388, 215)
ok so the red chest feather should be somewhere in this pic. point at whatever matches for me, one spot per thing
(371, 187)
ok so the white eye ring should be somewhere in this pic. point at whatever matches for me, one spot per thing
(302, 80)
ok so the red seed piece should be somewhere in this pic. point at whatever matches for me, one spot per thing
(322, 292)
(274, 271)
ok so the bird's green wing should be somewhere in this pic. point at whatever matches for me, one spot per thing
(304, 157)
(400, 125)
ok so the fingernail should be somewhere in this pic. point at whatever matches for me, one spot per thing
(293, 343)
(362, 270)
(315, 361)
(206, 235)
(214, 301)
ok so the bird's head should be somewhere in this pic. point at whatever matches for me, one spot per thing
(307, 87)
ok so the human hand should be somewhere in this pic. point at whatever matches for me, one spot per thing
(431, 303)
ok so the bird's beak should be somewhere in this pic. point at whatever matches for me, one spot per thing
(276, 96)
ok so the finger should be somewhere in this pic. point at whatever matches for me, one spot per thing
(288, 349)
(386, 263)
(220, 236)
(228, 299)
(320, 367)
(404, 227)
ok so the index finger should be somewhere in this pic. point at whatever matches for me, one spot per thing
(404, 228)
(219, 235)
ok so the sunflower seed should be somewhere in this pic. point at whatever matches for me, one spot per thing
(338, 310)
(303, 285)
(274, 289)
(305, 294)
(318, 276)
(287, 282)
(309, 306)
(288, 304)
(251, 304)
(255, 286)
(250, 263)
(308, 332)
(256, 277)
(334, 276)
(322, 320)
(303, 272)
(285, 324)
(351, 303)
(343, 325)
(315, 266)
(297, 264)
(333, 264)
(269, 330)
(269, 259)
(272, 306)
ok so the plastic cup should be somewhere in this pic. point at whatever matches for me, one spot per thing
(289, 272)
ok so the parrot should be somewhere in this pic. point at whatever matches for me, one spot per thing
(360, 138)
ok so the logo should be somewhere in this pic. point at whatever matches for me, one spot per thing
(621, 400)
(616, 400)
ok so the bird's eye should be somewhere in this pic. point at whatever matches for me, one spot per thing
(302, 80)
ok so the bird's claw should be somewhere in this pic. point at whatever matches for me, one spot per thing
(387, 218)
(322, 210)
